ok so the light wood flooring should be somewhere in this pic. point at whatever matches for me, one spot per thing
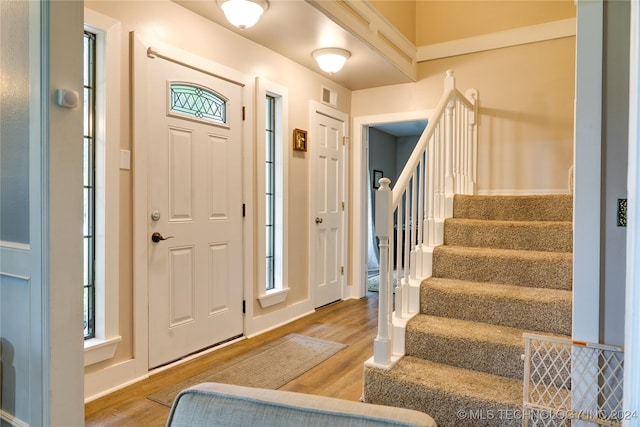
(352, 322)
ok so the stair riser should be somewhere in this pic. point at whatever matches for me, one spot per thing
(554, 237)
(514, 208)
(554, 316)
(447, 409)
(492, 358)
(553, 273)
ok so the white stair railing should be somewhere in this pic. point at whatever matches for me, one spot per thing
(410, 218)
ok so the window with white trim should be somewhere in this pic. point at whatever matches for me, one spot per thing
(270, 191)
(272, 207)
(88, 222)
(102, 185)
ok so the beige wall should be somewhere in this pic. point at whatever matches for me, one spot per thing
(401, 13)
(171, 24)
(441, 21)
(526, 111)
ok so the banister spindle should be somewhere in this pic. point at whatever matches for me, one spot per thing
(449, 84)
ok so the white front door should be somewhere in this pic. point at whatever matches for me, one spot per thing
(327, 191)
(195, 203)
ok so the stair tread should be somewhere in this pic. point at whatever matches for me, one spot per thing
(469, 344)
(511, 222)
(507, 253)
(544, 310)
(540, 269)
(539, 207)
(470, 330)
(459, 381)
(550, 236)
(524, 293)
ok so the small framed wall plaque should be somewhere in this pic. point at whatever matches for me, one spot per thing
(299, 140)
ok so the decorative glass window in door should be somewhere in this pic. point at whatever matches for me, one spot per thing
(197, 102)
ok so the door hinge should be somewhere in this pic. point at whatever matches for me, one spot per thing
(243, 113)
(344, 140)
(342, 270)
(244, 307)
(244, 210)
(342, 205)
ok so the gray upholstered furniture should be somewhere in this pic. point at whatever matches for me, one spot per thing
(214, 404)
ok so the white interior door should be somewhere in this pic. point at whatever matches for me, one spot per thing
(194, 173)
(329, 209)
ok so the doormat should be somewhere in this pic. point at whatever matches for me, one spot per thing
(270, 366)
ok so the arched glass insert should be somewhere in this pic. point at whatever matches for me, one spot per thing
(197, 102)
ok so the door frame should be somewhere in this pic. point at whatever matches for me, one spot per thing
(316, 108)
(140, 146)
(360, 187)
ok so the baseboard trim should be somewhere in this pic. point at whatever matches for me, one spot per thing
(518, 36)
(267, 322)
(100, 383)
(532, 192)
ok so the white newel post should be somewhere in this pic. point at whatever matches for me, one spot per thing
(382, 345)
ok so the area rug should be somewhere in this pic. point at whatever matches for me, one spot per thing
(269, 366)
(373, 282)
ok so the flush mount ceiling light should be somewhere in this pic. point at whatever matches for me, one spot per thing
(332, 59)
(243, 13)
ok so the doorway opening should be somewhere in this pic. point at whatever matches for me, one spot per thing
(383, 144)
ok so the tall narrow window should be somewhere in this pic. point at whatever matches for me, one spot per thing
(89, 217)
(270, 196)
(272, 173)
(103, 164)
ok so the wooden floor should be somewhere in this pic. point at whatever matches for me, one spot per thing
(352, 322)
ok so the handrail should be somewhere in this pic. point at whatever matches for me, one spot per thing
(409, 220)
(421, 145)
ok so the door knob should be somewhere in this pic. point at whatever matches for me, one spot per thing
(318, 220)
(156, 237)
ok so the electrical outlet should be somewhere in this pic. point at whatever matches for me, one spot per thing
(622, 212)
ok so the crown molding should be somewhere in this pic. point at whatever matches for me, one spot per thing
(518, 36)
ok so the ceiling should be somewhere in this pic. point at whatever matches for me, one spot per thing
(295, 28)
(399, 129)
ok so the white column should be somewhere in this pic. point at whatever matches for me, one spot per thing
(631, 403)
(382, 345)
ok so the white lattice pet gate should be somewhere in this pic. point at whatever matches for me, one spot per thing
(566, 380)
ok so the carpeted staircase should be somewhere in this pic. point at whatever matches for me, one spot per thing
(505, 268)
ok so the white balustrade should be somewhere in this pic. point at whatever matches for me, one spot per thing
(410, 218)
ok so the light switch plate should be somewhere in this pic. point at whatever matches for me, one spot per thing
(125, 160)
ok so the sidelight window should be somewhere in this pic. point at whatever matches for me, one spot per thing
(89, 183)
(273, 149)
(103, 162)
(270, 191)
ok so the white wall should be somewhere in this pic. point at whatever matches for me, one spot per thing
(61, 293)
(602, 109)
(616, 148)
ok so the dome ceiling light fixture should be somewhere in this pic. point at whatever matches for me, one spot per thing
(243, 13)
(331, 59)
